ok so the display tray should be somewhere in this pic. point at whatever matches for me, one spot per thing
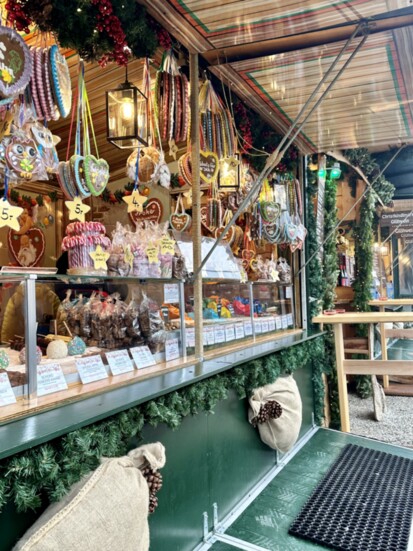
(25, 406)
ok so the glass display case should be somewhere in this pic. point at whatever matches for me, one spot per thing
(64, 336)
(227, 314)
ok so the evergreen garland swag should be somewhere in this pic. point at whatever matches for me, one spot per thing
(52, 468)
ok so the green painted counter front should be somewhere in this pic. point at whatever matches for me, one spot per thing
(210, 458)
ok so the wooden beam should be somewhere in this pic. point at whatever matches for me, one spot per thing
(377, 367)
(377, 24)
(341, 378)
(365, 317)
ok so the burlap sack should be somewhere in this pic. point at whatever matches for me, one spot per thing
(282, 433)
(108, 511)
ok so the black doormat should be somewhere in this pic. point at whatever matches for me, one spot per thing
(364, 503)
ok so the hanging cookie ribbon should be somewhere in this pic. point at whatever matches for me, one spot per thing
(179, 220)
(230, 235)
(171, 102)
(83, 174)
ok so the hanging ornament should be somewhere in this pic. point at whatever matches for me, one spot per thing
(83, 174)
(171, 102)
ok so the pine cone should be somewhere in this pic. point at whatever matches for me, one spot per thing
(153, 479)
(153, 503)
(269, 410)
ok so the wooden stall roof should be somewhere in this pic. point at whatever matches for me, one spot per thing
(370, 105)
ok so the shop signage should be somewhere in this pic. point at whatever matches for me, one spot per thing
(401, 223)
(50, 379)
(190, 337)
(6, 392)
(230, 332)
(239, 330)
(91, 369)
(247, 328)
(171, 293)
(119, 362)
(151, 213)
(142, 357)
(171, 350)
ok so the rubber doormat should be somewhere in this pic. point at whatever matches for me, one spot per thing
(364, 503)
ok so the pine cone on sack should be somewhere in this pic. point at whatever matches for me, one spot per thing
(270, 410)
(154, 481)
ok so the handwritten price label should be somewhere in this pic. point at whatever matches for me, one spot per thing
(128, 255)
(77, 209)
(99, 257)
(9, 215)
(167, 245)
(152, 252)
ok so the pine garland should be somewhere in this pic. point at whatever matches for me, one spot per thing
(51, 469)
(330, 246)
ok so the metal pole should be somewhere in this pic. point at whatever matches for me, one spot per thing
(30, 333)
(320, 99)
(317, 88)
(277, 155)
(182, 316)
(196, 204)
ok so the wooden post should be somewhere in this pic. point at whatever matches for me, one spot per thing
(196, 203)
(341, 378)
(383, 349)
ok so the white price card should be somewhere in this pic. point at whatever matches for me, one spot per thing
(284, 322)
(190, 337)
(142, 357)
(50, 379)
(119, 362)
(239, 331)
(290, 320)
(209, 335)
(229, 332)
(278, 323)
(171, 293)
(288, 292)
(219, 334)
(271, 324)
(258, 326)
(247, 328)
(264, 326)
(91, 369)
(172, 350)
(6, 392)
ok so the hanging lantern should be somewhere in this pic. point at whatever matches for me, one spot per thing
(229, 173)
(127, 116)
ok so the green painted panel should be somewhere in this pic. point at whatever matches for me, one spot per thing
(13, 525)
(237, 457)
(177, 523)
(304, 381)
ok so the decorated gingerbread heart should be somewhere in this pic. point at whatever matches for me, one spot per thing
(180, 222)
(78, 174)
(152, 212)
(204, 218)
(270, 211)
(229, 236)
(208, 166)
(27, 249)
(96, 172)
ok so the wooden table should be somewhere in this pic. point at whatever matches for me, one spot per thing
(389, 333)
(362, 367)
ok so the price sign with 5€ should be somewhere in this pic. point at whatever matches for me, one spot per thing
(9, 215)
(77, 209)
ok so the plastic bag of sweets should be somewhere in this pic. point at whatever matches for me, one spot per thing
(150, 318)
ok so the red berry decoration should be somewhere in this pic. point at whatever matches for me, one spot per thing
(109, 23)
(17, 16)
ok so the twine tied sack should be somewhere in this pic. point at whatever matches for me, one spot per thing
(106, 511)
(276, 410)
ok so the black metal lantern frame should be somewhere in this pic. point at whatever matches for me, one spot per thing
(127, 116)
(229, 173)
